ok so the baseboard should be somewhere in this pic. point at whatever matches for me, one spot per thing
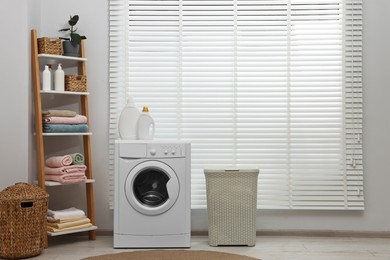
(313, 233)
(305, 233)
(325, 233)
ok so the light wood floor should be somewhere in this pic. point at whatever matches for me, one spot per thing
(267, 248)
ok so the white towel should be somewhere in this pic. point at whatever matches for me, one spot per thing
(66, 213)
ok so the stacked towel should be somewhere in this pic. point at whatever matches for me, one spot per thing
(67, 219)
(70, 178)
(68, 213)
(63, 113)
(63, 121)
(77, 119)
(64, 170)
(65, 128)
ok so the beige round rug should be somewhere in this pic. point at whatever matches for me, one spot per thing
(170, 255)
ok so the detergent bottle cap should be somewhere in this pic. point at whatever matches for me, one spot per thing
(130, 102)
(145, 109)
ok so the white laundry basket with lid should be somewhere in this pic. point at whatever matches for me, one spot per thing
(231, 206)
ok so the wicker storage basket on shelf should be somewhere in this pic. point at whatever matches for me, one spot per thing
(23, 209)
(231, 206)
(49, 46)
(76, 83)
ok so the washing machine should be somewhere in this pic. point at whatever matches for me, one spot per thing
(152, 194)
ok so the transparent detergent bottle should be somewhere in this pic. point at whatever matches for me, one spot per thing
(128, 121)
(145, 125)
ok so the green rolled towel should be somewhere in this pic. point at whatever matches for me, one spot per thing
(77, 158)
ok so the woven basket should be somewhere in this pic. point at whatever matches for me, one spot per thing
(231, 206)
(49, 46)
(23, 209)
(76, 83)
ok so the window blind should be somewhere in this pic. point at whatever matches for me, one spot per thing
(274, 85)
(118, 71)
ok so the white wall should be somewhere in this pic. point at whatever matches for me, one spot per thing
(15, 138)
(93, 22)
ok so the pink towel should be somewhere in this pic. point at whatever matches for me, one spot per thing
(67, 178)
(59, 161)
(65, 169)
(78, 119)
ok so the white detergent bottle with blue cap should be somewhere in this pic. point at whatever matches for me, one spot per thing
(145, 125)
(128, 121)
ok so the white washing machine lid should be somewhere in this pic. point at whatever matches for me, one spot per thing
(152, 187)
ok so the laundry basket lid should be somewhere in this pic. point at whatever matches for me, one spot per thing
(211, 171)
(23, 191)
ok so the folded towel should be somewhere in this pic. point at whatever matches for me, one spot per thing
(53, 112)
(66, 213)
(54, 230)
(59, 161)
(77, 158)
(70, 223)
(68, 178)
(65, 169)
(63, 220)
(65, 128)
(78, 119)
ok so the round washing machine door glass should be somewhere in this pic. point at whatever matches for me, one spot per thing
(152, 187)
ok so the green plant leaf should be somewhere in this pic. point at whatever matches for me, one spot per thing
(75, 38)
(64, 30)
(73, 20)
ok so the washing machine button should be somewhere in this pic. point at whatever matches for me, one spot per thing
(165, 152)
(152, 151)
(173, 152)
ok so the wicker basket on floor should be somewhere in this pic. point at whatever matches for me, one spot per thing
(76, 83)
(231, 206)
(49, 46)
(23, 209)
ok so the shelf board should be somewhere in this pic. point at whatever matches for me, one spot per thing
(64, 92)
(54, 183)
(71, 231)
(60, 57)
(65, 134)
(66, 61)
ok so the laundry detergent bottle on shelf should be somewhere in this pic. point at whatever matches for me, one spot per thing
(128, 121)
(145, 125)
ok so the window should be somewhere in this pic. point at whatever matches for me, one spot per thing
(268, 84)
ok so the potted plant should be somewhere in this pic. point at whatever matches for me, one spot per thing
(71, 44)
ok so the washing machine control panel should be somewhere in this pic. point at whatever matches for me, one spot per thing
(166, 150)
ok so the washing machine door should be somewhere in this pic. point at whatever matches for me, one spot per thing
(152, 187)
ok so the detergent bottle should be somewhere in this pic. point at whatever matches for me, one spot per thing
(128, 120)
(145, 125)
